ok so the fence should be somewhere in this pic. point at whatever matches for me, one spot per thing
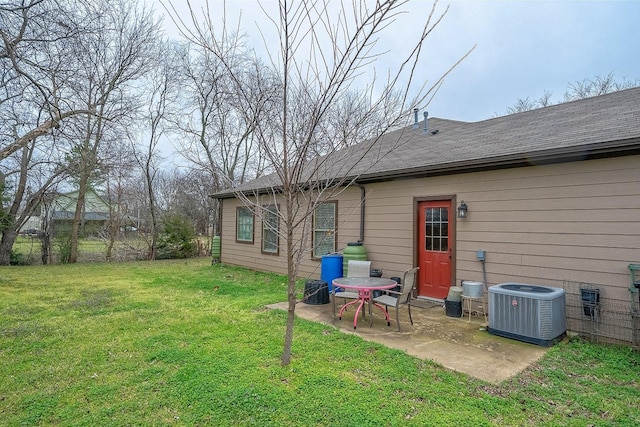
(92, 249)
(595, 314)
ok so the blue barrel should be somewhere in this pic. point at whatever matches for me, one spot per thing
(331, 268)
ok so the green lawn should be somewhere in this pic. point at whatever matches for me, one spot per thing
(188, 343)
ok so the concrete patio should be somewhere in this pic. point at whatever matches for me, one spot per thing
(453, 342)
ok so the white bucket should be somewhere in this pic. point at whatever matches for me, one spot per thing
(455, 293)
(472, 289)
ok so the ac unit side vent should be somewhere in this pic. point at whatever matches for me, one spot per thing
(530, 313)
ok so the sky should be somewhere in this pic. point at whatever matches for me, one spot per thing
(523, 48)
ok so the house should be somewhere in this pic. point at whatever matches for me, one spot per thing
(95, 212)
(57, 212)
(552, 197)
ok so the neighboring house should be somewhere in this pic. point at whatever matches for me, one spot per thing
(32, 224)
(63, 206)
(96, 213)
(553, 197)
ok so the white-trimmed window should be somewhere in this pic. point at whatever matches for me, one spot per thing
(244, 225)
(324, 229)
(270, 230)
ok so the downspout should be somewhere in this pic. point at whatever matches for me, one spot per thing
(363, 194)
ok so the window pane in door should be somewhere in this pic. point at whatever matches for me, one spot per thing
(437, 229)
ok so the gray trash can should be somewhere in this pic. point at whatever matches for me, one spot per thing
(453, 308)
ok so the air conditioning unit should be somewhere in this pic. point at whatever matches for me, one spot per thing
(530, 313)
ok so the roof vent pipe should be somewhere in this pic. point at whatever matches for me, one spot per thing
(416, 125)
(426, 122)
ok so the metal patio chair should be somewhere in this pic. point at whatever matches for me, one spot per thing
(355, 269)
(396, 299)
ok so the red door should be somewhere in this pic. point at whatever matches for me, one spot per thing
(434, 248)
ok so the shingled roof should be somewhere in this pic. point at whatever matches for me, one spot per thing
(602, 126)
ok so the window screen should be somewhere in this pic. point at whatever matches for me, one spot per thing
(244, 225)
(324, 229)
(270, 230)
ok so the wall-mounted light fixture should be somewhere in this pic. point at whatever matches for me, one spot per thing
(462, 210)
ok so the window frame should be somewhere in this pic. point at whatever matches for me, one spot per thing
(314, 230)
(253, 225)
(267, 210)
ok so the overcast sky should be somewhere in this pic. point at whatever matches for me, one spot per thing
(523, 47)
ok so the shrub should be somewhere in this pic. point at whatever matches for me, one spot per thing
(63, 245)
(16, 258)
(177, 239)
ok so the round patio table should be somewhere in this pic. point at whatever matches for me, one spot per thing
(364, 286)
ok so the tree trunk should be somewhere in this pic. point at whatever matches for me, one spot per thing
(154, 226)
(47, 232)
(6, 244)
(291, 284)
(113, 228)
(291, 292)
(77, 219)
(109, 252)
(46, 245)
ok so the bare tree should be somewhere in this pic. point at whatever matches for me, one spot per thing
(27, 175)
(35, 73)
(217, 133)
(35, 80)
(323, 49)
(162, 86)
(118, 175)
(599, 85)
(133, 205)
(111, 59)
(33, 168)
(186, 193)
(525, 104)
